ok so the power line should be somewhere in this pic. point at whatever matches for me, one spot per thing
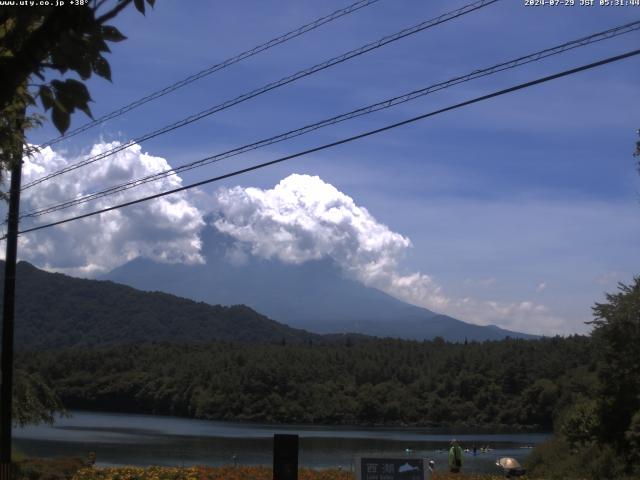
(271, 86)
(580, 42)
(214, 68)
(283, 81)
(343, 141)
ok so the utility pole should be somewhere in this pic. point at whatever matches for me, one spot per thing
(8, 308)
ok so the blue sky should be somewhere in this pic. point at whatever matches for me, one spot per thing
(530, 197)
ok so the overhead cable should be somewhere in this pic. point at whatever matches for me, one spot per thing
(340, 142)
(214, 68)
(523, 60)
(271, 86)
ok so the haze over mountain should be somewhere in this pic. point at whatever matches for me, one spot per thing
(55, 311)
(315, 295)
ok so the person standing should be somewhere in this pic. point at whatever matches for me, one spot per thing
(455, 457)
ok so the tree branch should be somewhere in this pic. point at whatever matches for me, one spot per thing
(113, 12)
(98, 4)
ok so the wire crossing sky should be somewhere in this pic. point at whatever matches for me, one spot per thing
(504, 212)
(215, 68)
(451, 15)
(388, 103)
(343, 141)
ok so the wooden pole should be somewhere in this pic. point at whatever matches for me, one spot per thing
(8, 309)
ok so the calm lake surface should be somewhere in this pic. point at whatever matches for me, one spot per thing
(125, 439)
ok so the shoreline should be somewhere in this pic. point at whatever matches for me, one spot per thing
(457, 429)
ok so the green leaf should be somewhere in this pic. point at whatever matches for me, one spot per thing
(59, 93)
(56, 84)
(152, 3)
(101, 45)
(86, 110)
(61, 119)
(112, 34)
(83, 67)
(46, 97)
(78, 94)
(64, 99)
(59, 60)
(77, 90)
(102, 68)
(66, 53)
(139, 5)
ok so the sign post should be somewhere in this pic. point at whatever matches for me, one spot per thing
(285, 457)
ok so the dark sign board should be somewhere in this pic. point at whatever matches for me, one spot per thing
(381, 468)
(285, 457)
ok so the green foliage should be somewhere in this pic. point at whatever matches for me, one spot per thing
(556, 459)
(632, 436)
(17, 455)
(276, 373)
(13, 122)
(617, 333)
(33, 400)
(371, 382)
(35, 42)
(598, 436)
(47, 469)
(580, 424)
(64, 98)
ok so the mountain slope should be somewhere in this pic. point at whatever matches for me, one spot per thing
(315, 295)
(55, 310)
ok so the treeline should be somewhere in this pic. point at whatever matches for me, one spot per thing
(74, 312)
(512, 384)
(598, 435)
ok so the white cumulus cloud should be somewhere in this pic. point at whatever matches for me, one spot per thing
(165, 229)
(304, 218)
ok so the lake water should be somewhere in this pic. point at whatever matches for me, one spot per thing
(125, 439)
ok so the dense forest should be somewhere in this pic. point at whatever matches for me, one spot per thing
(231, 363)
(587, 389)
(55, 311)
(598, 435)
(510, 384)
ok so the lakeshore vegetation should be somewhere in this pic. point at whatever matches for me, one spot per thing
(585, 388)
(76, 469)
(511, 384)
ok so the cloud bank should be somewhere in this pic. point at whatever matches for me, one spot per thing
(166, 229)
(303, 218)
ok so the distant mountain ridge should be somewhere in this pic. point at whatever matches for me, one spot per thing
(315, 295)
(55, 310)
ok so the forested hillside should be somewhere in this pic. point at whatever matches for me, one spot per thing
(54, 311)
(510, 383)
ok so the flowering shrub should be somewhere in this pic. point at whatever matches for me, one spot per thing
(201, 473)
(233, 473)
